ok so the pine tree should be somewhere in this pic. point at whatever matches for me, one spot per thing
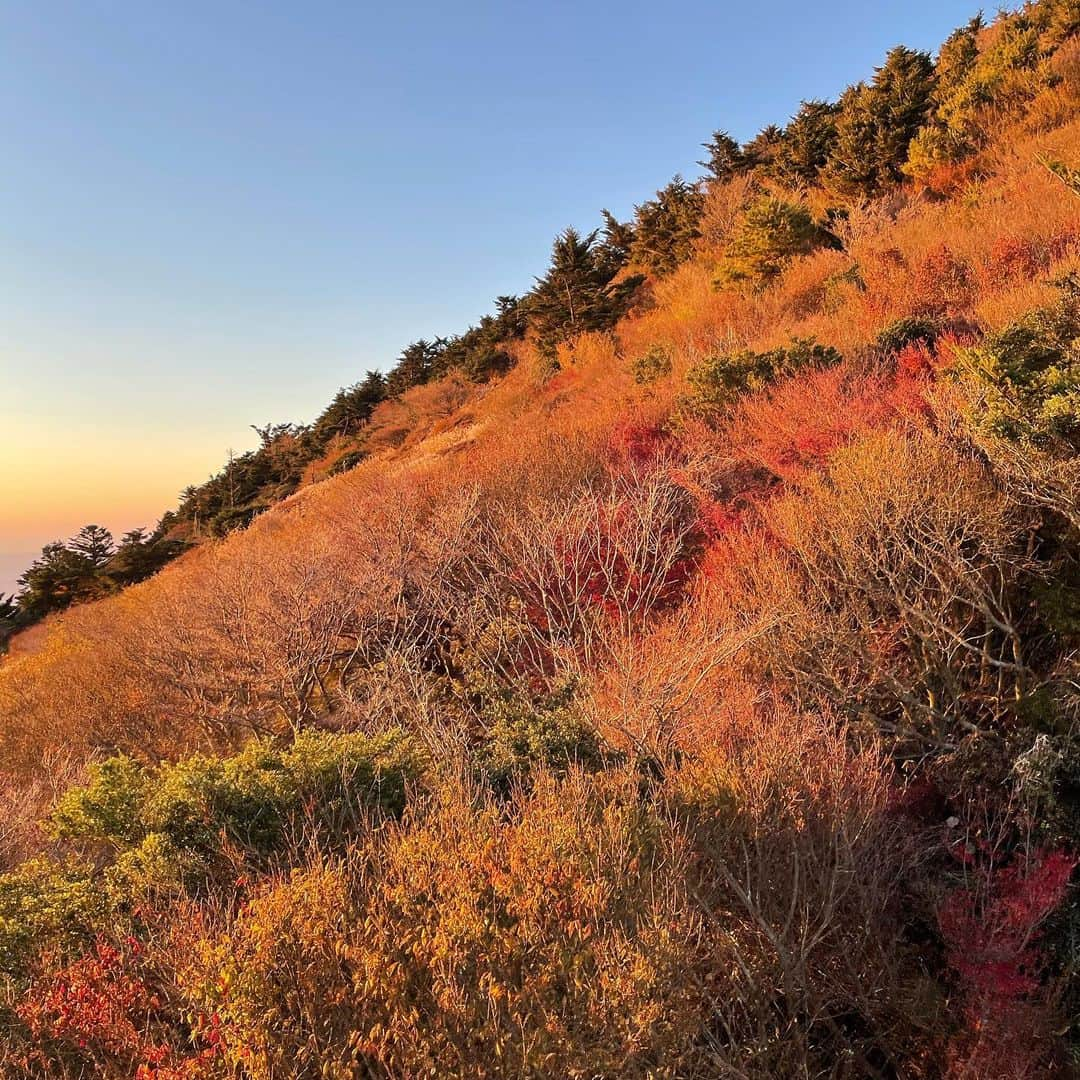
(877, 123)
(771, 233)
(666, 227)
(93, 543)
(724, 159)
(760, 152)
(576, 292)
(903, 95)
(807, 142)
(9, 619)
(957, 57)
(415, 366)
(351, 408)
(139, 555)
(617, 239)
(55, 580)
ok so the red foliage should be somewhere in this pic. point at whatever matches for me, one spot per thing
(719, 519)
(950, 177)
(1014, 258)
(796, 425)
(562, 380)
(617, 576)
(99, 1011)
(1064, 240)
(637, 442)
(919, 801)
(916, 360)
(991, 933)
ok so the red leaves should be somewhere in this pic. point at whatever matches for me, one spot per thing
(638, 443)
(99, 1010)
(799, 423)
(90, 1003)
(1014, 258)
(943, 282)
(991, 932)
(991, 936)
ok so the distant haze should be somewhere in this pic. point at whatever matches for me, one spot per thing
(12, 564)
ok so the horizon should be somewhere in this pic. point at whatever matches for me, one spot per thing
(252, 229)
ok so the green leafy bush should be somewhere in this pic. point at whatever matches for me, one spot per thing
(903, 332)
(46, 905)
(524, 734)
(1027, 377)
(651, 366)
(718, 380)
(249, 799)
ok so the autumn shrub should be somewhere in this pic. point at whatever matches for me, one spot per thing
(1014, 258)
(102, 1015)
(943, 283)
(794, 860)
(553, 940)
(796, 424)
(610, 557)
(638, 443)
(914, 567)
(992, 929)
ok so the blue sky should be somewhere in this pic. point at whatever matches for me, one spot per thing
(214, 214)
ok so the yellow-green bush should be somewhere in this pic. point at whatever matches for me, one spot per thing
(46, 905)
(249, 800)
(771, 233)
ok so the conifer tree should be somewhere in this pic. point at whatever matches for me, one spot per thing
(771, 233)
(617, 239)
(415, 366)
(576, 292)
(666, 227)
(724, 158)
(351, 407)
(807, 142)
(877, 122)
(760, 152)
(56, 579)
(94, 544)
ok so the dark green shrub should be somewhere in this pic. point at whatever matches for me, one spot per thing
(233, 518)
(347, 461)
(525, 734)
(898, 335)
(650, 366)
(1028, 378)
(719, 380)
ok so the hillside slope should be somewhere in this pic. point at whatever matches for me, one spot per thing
(698, 696)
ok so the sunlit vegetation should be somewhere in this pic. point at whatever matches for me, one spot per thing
(675, 675)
